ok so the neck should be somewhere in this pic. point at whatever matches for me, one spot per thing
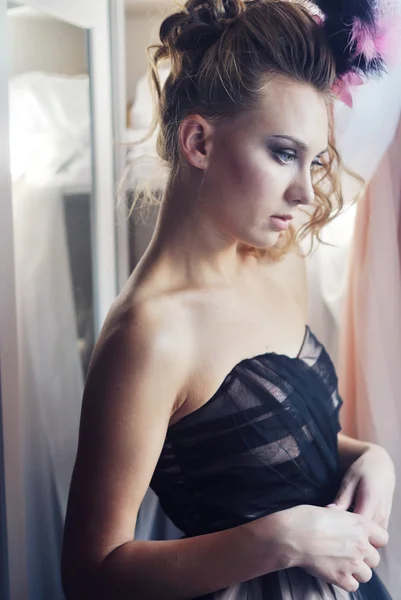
(188, 241)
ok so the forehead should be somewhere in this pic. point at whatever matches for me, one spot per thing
(289, 108)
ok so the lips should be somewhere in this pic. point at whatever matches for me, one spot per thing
(280, 222)
(284, 217)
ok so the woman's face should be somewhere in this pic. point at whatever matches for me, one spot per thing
(260, 167)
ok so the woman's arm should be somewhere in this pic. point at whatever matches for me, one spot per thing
(369, 480)
(186, 568)
(137, 373)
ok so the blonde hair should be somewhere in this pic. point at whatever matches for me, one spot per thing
(221, 52)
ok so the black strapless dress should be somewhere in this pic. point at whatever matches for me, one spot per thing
(265, 441)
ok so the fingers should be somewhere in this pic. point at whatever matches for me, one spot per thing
(382, 516)
(364, 503)
(366, 506)
(346, 493)
(381, 521)
(347, 583)
(378, 536)
(362, 573)
(372, 558)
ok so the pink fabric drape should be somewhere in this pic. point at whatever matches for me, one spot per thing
(370, 338)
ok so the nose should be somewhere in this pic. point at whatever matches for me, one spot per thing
(301, 190)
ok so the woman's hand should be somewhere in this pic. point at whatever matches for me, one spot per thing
(369, 485)
(336, 546)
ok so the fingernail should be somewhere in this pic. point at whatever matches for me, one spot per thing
(332, 506)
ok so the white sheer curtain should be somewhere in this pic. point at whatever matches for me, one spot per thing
(49, 127)
(355, 285)
(364, 134)
(370, 375)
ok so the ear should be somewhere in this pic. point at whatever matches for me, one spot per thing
(195, 136)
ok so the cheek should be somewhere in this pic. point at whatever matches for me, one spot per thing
(253, 175)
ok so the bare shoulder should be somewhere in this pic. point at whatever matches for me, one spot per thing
(134, 385)
(143, 339)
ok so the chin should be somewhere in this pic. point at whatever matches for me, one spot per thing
(257, 238)
(265, 242)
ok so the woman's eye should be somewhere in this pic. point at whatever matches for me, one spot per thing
(285, 157)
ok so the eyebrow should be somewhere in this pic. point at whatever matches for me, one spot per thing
(298, 143)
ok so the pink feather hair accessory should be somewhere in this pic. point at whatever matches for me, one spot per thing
(380, 41)
(384, 40)
(342, 88)
(363, 38)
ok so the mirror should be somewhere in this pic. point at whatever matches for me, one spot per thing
(50, 131)
(53, 204)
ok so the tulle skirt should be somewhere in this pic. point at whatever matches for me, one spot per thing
(296, 584)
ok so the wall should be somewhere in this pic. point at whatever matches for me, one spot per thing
(141, 29)
(93, 14)
(45, 44)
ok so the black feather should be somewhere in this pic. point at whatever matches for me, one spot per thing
(338, 35)
(348, 10)
(340, 17)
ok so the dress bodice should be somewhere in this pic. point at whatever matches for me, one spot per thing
(265, 441)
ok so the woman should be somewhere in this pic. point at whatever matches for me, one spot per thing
(206, 382)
